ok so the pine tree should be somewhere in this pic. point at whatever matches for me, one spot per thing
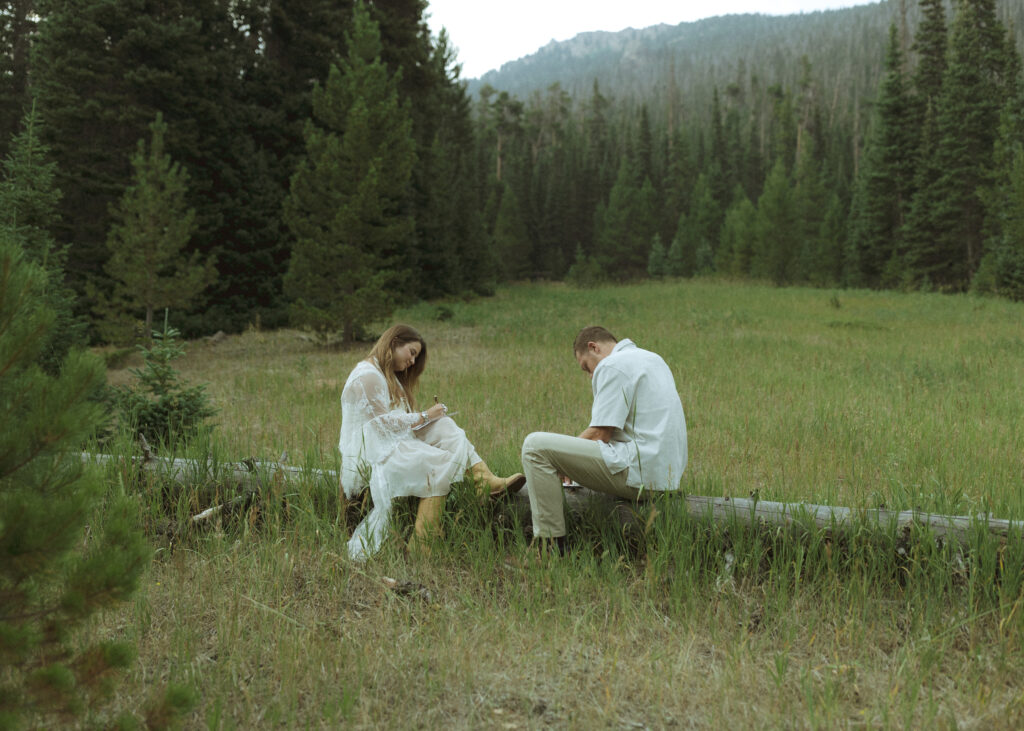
(976, 83)
(809, 203)
(681, 259)
(50, 507)
(657, 263)
(735, 247)
(511, 239)
(783, 127)
(721, 173)
(28, 198)
(752, 173)
(503, 122)
(17, 24)
(287, 48)
(645, 148)
(922, 227)
(647, 211)
(349, 205)
(886, 185)
(452, 252)
(449, 250)
(930, 45)
(544, 188)
(1002, 268)
(834, 242)
(87, 77)
(679, 182)
(601, 161)
(152, 227)
(406, 45)
(621, 248)
(28, 208)
(704, 223)
(103, 69)
(598, 166)
(200, 64)
(158, 405)
(562, 221)
(705, 257)
(232, 131)
(585, 270)
(774, 253)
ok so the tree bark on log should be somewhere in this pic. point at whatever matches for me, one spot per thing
(726, 510)
(254, 476)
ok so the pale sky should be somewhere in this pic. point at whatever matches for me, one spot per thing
(487, 33)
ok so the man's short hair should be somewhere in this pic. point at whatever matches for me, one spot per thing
(594, 333)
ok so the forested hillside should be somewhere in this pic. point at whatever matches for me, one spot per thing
(309, 163)
(874, 146)
(846, 46)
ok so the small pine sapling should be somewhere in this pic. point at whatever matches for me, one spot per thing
(159, 406)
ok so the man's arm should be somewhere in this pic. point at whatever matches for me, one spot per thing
(598, 433)
(612, 395)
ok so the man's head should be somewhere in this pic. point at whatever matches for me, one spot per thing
(593, 345)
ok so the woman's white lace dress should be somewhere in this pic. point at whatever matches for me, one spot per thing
(379, 449)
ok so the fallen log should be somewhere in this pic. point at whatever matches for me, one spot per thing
(255, 476)
(751, 512)
(248, 472)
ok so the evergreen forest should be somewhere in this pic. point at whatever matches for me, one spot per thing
(318, 163)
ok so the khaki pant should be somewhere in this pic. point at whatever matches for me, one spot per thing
(546, 457)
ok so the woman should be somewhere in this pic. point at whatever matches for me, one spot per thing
(388, 444)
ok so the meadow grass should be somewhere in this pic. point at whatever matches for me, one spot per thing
(860, 399)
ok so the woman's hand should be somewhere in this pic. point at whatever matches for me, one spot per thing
(436, 411)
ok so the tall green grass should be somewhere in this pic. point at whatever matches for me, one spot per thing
(852, 398)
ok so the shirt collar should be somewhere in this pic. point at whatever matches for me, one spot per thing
(624, 344)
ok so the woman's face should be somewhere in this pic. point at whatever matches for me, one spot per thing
(405, 355)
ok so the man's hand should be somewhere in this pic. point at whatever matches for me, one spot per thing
(598, 433)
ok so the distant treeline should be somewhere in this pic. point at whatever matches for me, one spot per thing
(330, 164)
(918, 185)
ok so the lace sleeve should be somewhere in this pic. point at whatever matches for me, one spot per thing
(368, 393)
(371, 429)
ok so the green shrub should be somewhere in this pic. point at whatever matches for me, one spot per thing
(159, 406)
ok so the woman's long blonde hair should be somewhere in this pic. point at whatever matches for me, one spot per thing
(399, 384)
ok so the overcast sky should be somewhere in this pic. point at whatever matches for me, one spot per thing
(487, 33)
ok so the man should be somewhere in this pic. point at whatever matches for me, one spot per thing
(636, 441)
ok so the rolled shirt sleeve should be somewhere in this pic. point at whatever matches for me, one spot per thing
(613, 398)
(614, 394)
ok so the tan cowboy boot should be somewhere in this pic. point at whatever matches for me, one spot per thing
(490, 485)
(428, 525)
